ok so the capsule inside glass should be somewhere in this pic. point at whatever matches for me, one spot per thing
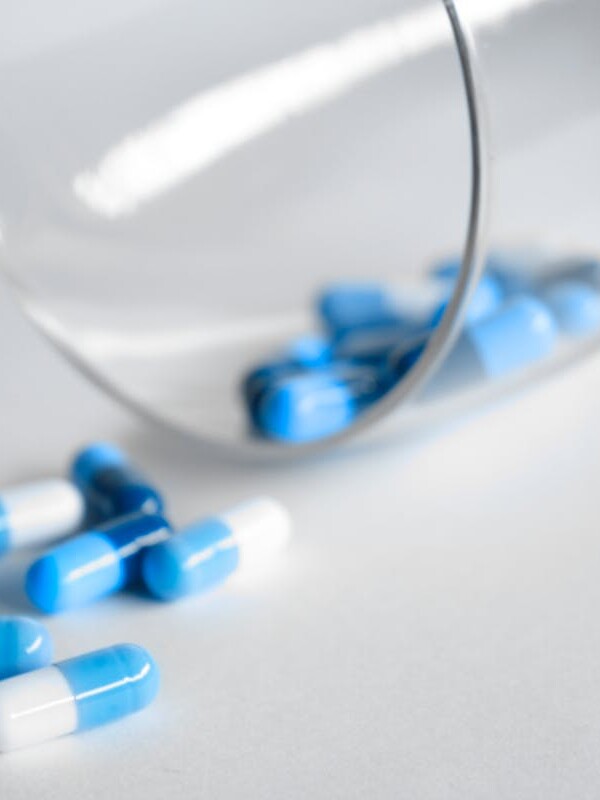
(186, 192)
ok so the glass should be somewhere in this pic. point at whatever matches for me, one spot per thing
(183, 181)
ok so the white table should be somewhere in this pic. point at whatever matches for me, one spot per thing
(431, 635)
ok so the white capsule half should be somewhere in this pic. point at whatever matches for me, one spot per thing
(36, 707)
(260, 528)
(39, 512)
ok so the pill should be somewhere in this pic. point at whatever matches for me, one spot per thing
(487, 297)
(76, 695)
(38, 512)
(209, 552)
(304, 353)
(93, 564)
(350, 306)
(111, 485)
(521, 333)
(575, 305)
(307, 408)
(24, 645)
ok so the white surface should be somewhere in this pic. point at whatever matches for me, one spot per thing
(431, 633)
(35, 708)
(261, 529)
(41, 511)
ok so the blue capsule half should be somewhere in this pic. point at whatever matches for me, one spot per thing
(356, 305)
(303, 354)
(94, 564)
(307, 408)
(111, 485)
(25, 645)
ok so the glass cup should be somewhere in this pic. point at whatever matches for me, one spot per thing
(273, 226)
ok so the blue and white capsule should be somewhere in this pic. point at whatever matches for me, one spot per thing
(35, 513)
(94, 564)
(306, 408)
(112, 486)
(208, 553)
(76, 695)
(25, 645)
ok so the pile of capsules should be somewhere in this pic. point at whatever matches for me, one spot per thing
(373, 335)
(126, 540)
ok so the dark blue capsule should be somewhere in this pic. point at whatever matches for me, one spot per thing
(306, 408)
(111, 485)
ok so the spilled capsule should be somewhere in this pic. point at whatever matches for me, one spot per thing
(35, 513)
(76, 695)
(94, 564)
(112, 486)
(209, 552)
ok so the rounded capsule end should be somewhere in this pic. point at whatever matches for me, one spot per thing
(25, 645)
(42, 584)
(162, 572)
(94, 458)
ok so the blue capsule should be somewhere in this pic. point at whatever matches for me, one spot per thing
(111, 485)
(352, 306)
(519, 335)
(576, 306)
(306, 408)
(94, 564)
(75, 695)
(24, 645)
(303, 354)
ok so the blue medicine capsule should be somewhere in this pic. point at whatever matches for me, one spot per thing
(576, 306)
(76, 695)
(305, 353)
(306, 408)
(515, 337)
(111, 485)
(352, 306)
(24, 645)
(93, 564)
(207, 553)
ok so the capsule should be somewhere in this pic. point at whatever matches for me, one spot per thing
(514, 338)
(94, 564)
(207, 553)
(76, 695)
(306, 408)
(111, 485)
(575, 305)
(39, 512)
(351, 306)
(25, 645)
(305, 353)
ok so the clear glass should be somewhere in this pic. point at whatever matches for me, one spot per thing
(180, 180)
